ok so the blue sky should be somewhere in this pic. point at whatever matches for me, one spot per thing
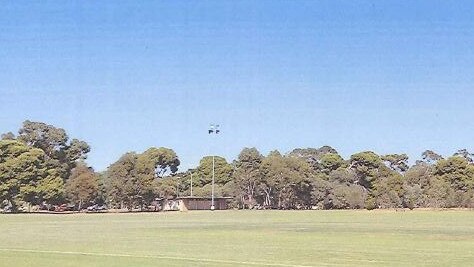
(387, 76)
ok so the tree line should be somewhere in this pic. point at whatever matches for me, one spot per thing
(42, 166)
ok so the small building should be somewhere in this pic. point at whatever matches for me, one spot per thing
(194, 203)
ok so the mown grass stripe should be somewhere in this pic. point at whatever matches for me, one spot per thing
(151, 257)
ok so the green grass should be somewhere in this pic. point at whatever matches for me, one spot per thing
(240, 238)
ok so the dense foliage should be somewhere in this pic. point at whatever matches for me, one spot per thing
(40, 166)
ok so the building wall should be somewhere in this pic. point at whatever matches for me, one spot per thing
(169, 205)
(193, 204)
(204, 204)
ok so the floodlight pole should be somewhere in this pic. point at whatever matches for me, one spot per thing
(214, 129)
(177, 188)
(191, 183)
(213, 168)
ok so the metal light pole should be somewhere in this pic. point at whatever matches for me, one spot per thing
(213, 129)
(213, 168)
(191, 183)
(177, 188)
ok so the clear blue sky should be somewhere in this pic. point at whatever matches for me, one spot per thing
(387, 76)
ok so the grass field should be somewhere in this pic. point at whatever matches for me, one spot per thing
(240, 238)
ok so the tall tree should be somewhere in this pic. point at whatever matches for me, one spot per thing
(222, 171)
(7, 136)
(83, 185)
(457, 171)
(60, 153)
(396, 162)
(389, 190)
(330, 162)
(465, 154)
(132, 179)
(124, 188)
(429, 156)
(158, 162)
(366, 166)
(418, 180)
(25, 176)
(248, 175)
(313, 155)
(286, 184)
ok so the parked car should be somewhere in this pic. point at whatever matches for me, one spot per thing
(60, 208)
(6, 209)
(97, 207)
